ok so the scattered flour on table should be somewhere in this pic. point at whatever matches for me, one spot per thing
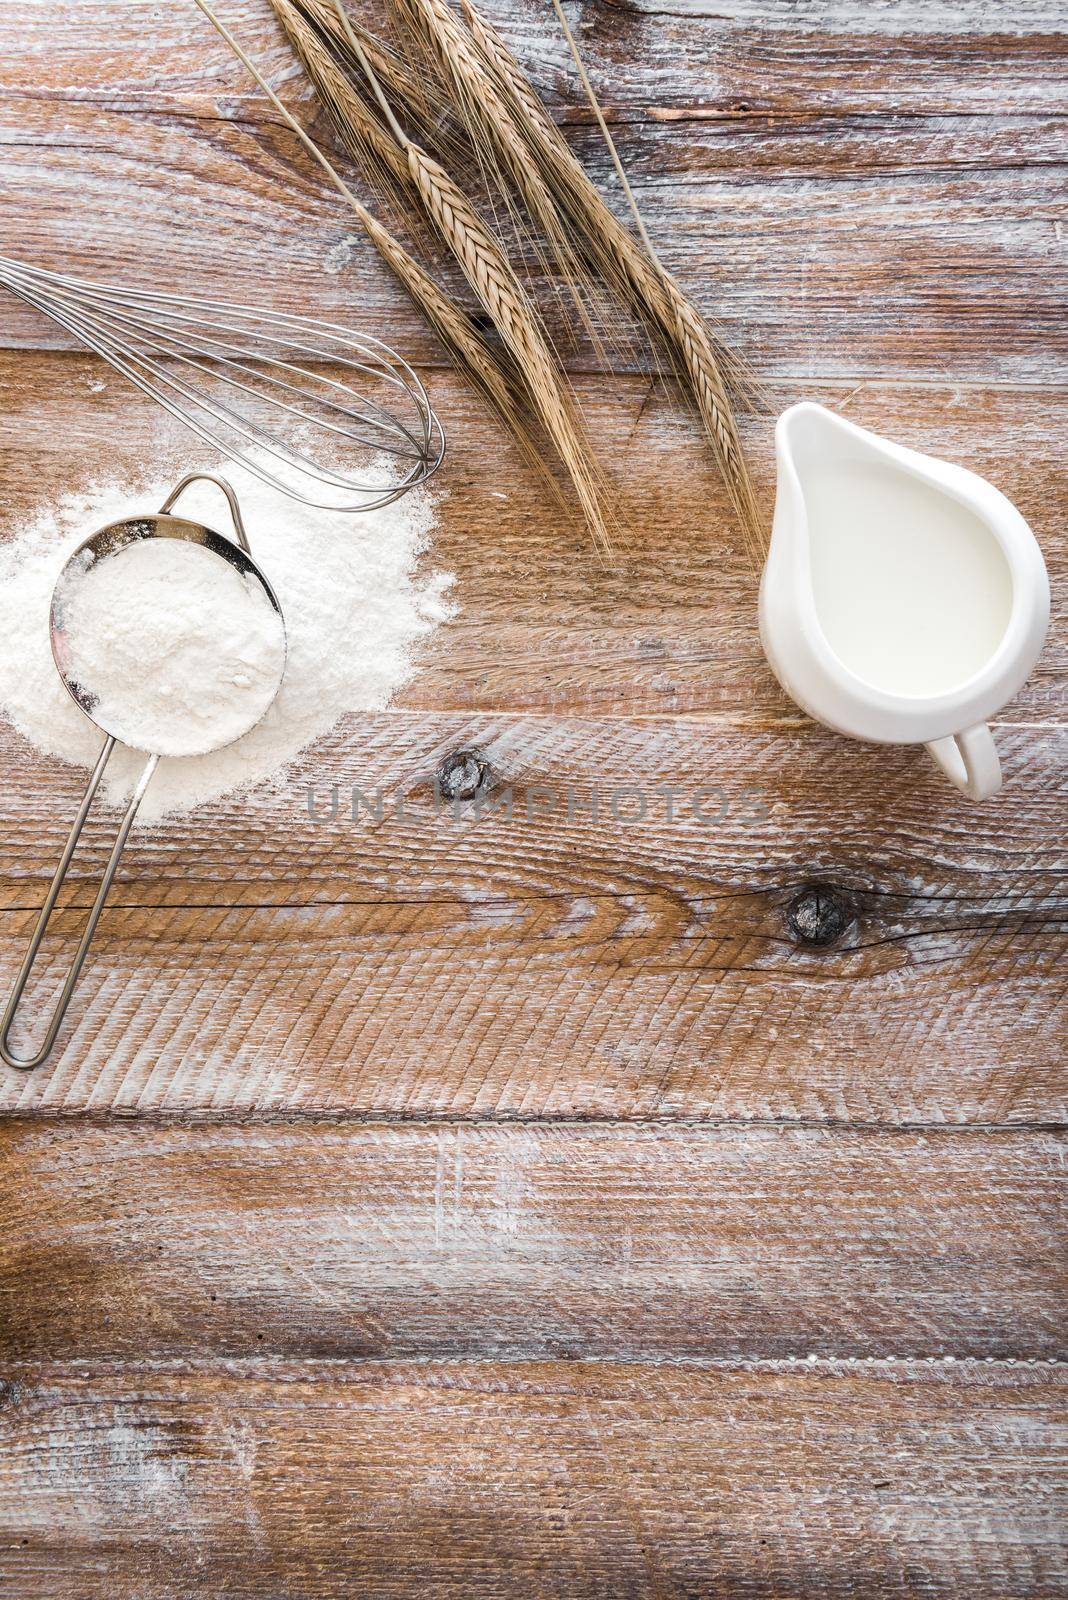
(353, 592)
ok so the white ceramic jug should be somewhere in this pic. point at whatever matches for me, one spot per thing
(904, 599)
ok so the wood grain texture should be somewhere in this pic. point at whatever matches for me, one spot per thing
(560, 1479)
(547, 964)
(535, 1243)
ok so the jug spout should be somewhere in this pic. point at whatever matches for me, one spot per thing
(807, 437)
(806, 432)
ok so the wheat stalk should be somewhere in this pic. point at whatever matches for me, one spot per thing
(736, 373)
(469, 351)
(489, 273)
(650, 291)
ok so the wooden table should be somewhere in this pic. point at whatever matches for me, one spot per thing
(454, 1206)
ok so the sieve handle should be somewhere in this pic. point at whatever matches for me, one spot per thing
(231, 500)
(27, 1063)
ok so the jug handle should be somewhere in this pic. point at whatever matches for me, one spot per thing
(970, 761)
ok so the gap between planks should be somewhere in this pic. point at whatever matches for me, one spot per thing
(268, 1368)
(781, 378)
(252, 110)
(324, 1117)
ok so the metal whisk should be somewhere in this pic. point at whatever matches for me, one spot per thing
(249, 383)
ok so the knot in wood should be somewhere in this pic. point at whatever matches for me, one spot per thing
(818, 916)
(462, 775)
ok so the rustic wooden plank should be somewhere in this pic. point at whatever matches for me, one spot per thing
(694, 59)
(560, 1479)
(888, 17)
(676, 151)
(813, 264)
(650, 1244)
(670, 625)
(542, 963)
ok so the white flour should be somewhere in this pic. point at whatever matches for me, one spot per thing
(355, 608)
(173, 650)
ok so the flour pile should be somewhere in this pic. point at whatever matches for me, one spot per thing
(172, 649)
(355, 601)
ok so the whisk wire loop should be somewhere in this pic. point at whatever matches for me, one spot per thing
(259, 386)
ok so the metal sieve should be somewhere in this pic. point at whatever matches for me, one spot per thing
(108, 542)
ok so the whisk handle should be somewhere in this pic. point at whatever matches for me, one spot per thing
(231, 500)
(27, 1063)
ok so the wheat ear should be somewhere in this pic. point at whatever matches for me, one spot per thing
(362, 133)
(469, 351)
(415, 92)
(497, 286)
(650, 291)
(493, 135)
(487, 270)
